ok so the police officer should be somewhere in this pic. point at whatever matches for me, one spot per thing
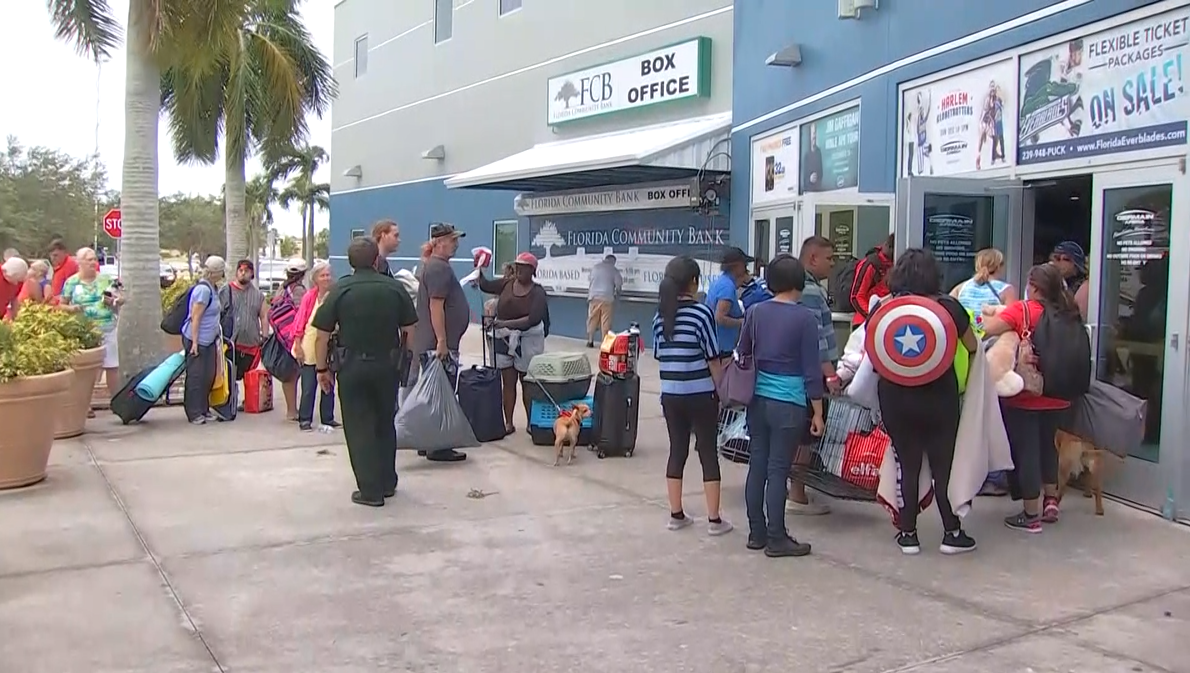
(370, 310)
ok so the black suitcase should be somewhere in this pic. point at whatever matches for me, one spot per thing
(129, 406)
(617, 410)
(480, 398)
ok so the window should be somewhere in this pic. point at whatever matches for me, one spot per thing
(443, 20)
(361, 56)
(504, 244)
(509, 6)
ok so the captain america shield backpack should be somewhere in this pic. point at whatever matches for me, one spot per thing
(910, 340)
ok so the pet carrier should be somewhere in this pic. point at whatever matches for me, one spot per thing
(557, 377)
(542, 415)
(846, 463)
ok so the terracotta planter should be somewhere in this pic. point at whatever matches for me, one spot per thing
(27, 415)
(71, 419)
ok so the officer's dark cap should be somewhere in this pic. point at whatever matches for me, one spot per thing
(362, 253)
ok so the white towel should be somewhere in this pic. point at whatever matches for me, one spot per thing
(982, 444)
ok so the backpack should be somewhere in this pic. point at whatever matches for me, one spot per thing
(175, 317)
(282, 312)
(754, 292)
(847, 279)
(1063, 350)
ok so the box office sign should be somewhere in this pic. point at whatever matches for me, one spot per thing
(1119, 90)
(672, 73)
(643, 197)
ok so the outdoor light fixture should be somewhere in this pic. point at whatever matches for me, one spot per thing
(354, 172)
(437, 153)
(852, 9)
(789, 57)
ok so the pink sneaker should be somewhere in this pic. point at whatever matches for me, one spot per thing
(1049, 510)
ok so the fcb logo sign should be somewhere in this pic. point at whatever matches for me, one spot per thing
(910, 340)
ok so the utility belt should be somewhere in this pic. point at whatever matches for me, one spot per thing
(341, 355)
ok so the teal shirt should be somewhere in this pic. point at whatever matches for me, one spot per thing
(781, 387)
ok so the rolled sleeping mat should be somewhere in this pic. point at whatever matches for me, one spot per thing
(153, 386)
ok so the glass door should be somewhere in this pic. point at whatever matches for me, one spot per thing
(1138, 321)
(775, 231)
(957, 217)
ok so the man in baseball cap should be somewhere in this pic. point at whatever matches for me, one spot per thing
(723, 298)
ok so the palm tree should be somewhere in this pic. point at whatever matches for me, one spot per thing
(156, 40)
(261, 193)
(265, 76)
(300, 165)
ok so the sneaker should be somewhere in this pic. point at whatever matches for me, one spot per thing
(590, 344)
(1024, 522)
(723, 527)
(201, 420)
(909, 544)
(757, 542)
(679, 524)
(957, 542)
(812, 507)
(786, 546)
(306, 427)
(1049, 510)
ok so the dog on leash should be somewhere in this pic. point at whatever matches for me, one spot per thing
(566, 429)
(1079, 458)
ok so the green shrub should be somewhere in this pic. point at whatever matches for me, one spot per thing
(24, 353)
(78, 330)
(171, 294)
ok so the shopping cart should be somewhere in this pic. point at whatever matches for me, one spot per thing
(846, 463)
(733, 435)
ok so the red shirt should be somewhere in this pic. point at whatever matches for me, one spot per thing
(8, 292)
(1014, 316)
(65, 270)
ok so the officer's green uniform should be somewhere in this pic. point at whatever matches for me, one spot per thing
(369, 309)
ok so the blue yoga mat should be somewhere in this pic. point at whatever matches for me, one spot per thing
(153, 386)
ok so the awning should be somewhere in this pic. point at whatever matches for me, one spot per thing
(647, 154)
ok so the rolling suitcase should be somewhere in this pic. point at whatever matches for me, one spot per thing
(131, 406)
(479, 392)
(617, 410)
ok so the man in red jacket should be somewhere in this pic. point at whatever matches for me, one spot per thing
(64, 266)
(871, 279)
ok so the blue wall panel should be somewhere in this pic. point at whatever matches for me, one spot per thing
(900, 28)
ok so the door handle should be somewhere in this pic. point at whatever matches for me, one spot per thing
(1173, 341)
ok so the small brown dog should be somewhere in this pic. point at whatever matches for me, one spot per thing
(1077, 456)
(566, 430)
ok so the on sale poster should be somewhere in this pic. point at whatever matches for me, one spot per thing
(961, 124)
(1115, 91)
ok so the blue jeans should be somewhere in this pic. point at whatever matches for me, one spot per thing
(310, 389)
(774, 430)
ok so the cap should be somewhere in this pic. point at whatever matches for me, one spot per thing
(295, 266)
(736, 256)
(245, 264)
(215, 264)
(1075, 252)
(526, 258)
(440, 229)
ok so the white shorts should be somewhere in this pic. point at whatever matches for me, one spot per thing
(111, 349)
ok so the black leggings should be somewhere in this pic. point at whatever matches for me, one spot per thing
(696, 415)
(1034, 457)
(922, 426)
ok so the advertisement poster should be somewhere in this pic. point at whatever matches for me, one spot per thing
(567, 246)
(961, 124)
(842, 232)
(785, 235)
(830, 152)
(774, 167)
(1116, 91)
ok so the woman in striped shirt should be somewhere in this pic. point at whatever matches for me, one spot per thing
(687, 353)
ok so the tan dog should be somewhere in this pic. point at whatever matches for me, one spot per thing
(566, 430)
(1077, 456)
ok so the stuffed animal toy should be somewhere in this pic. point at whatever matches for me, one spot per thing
(1001, 356)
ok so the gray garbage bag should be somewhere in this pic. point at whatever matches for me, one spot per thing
(1109, 418)
(430, 418)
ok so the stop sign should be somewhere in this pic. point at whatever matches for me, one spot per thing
(113, 223)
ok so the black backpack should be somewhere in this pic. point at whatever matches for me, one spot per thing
(1063, 350)
(846, 280)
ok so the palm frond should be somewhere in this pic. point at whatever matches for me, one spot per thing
(88, 25)
(194, 103)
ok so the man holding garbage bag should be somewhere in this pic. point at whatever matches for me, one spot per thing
(369, 309)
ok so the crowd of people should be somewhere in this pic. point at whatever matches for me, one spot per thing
(796, 364)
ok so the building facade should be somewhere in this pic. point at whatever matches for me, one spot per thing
(961, 126)
(566, 128)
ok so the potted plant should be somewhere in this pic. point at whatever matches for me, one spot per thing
(85, 342)
(170, 296)
(35, 375)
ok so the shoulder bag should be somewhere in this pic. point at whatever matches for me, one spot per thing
(738, 383)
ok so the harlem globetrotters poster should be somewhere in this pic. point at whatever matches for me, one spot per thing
(1115, 91)
(643, 241)
(961, 124)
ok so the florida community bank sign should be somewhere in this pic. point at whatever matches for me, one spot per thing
(672, 73)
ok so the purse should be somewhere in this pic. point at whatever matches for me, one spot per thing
(1026, 357)
(738, 383)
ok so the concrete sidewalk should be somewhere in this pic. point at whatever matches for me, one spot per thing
(165, 548)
